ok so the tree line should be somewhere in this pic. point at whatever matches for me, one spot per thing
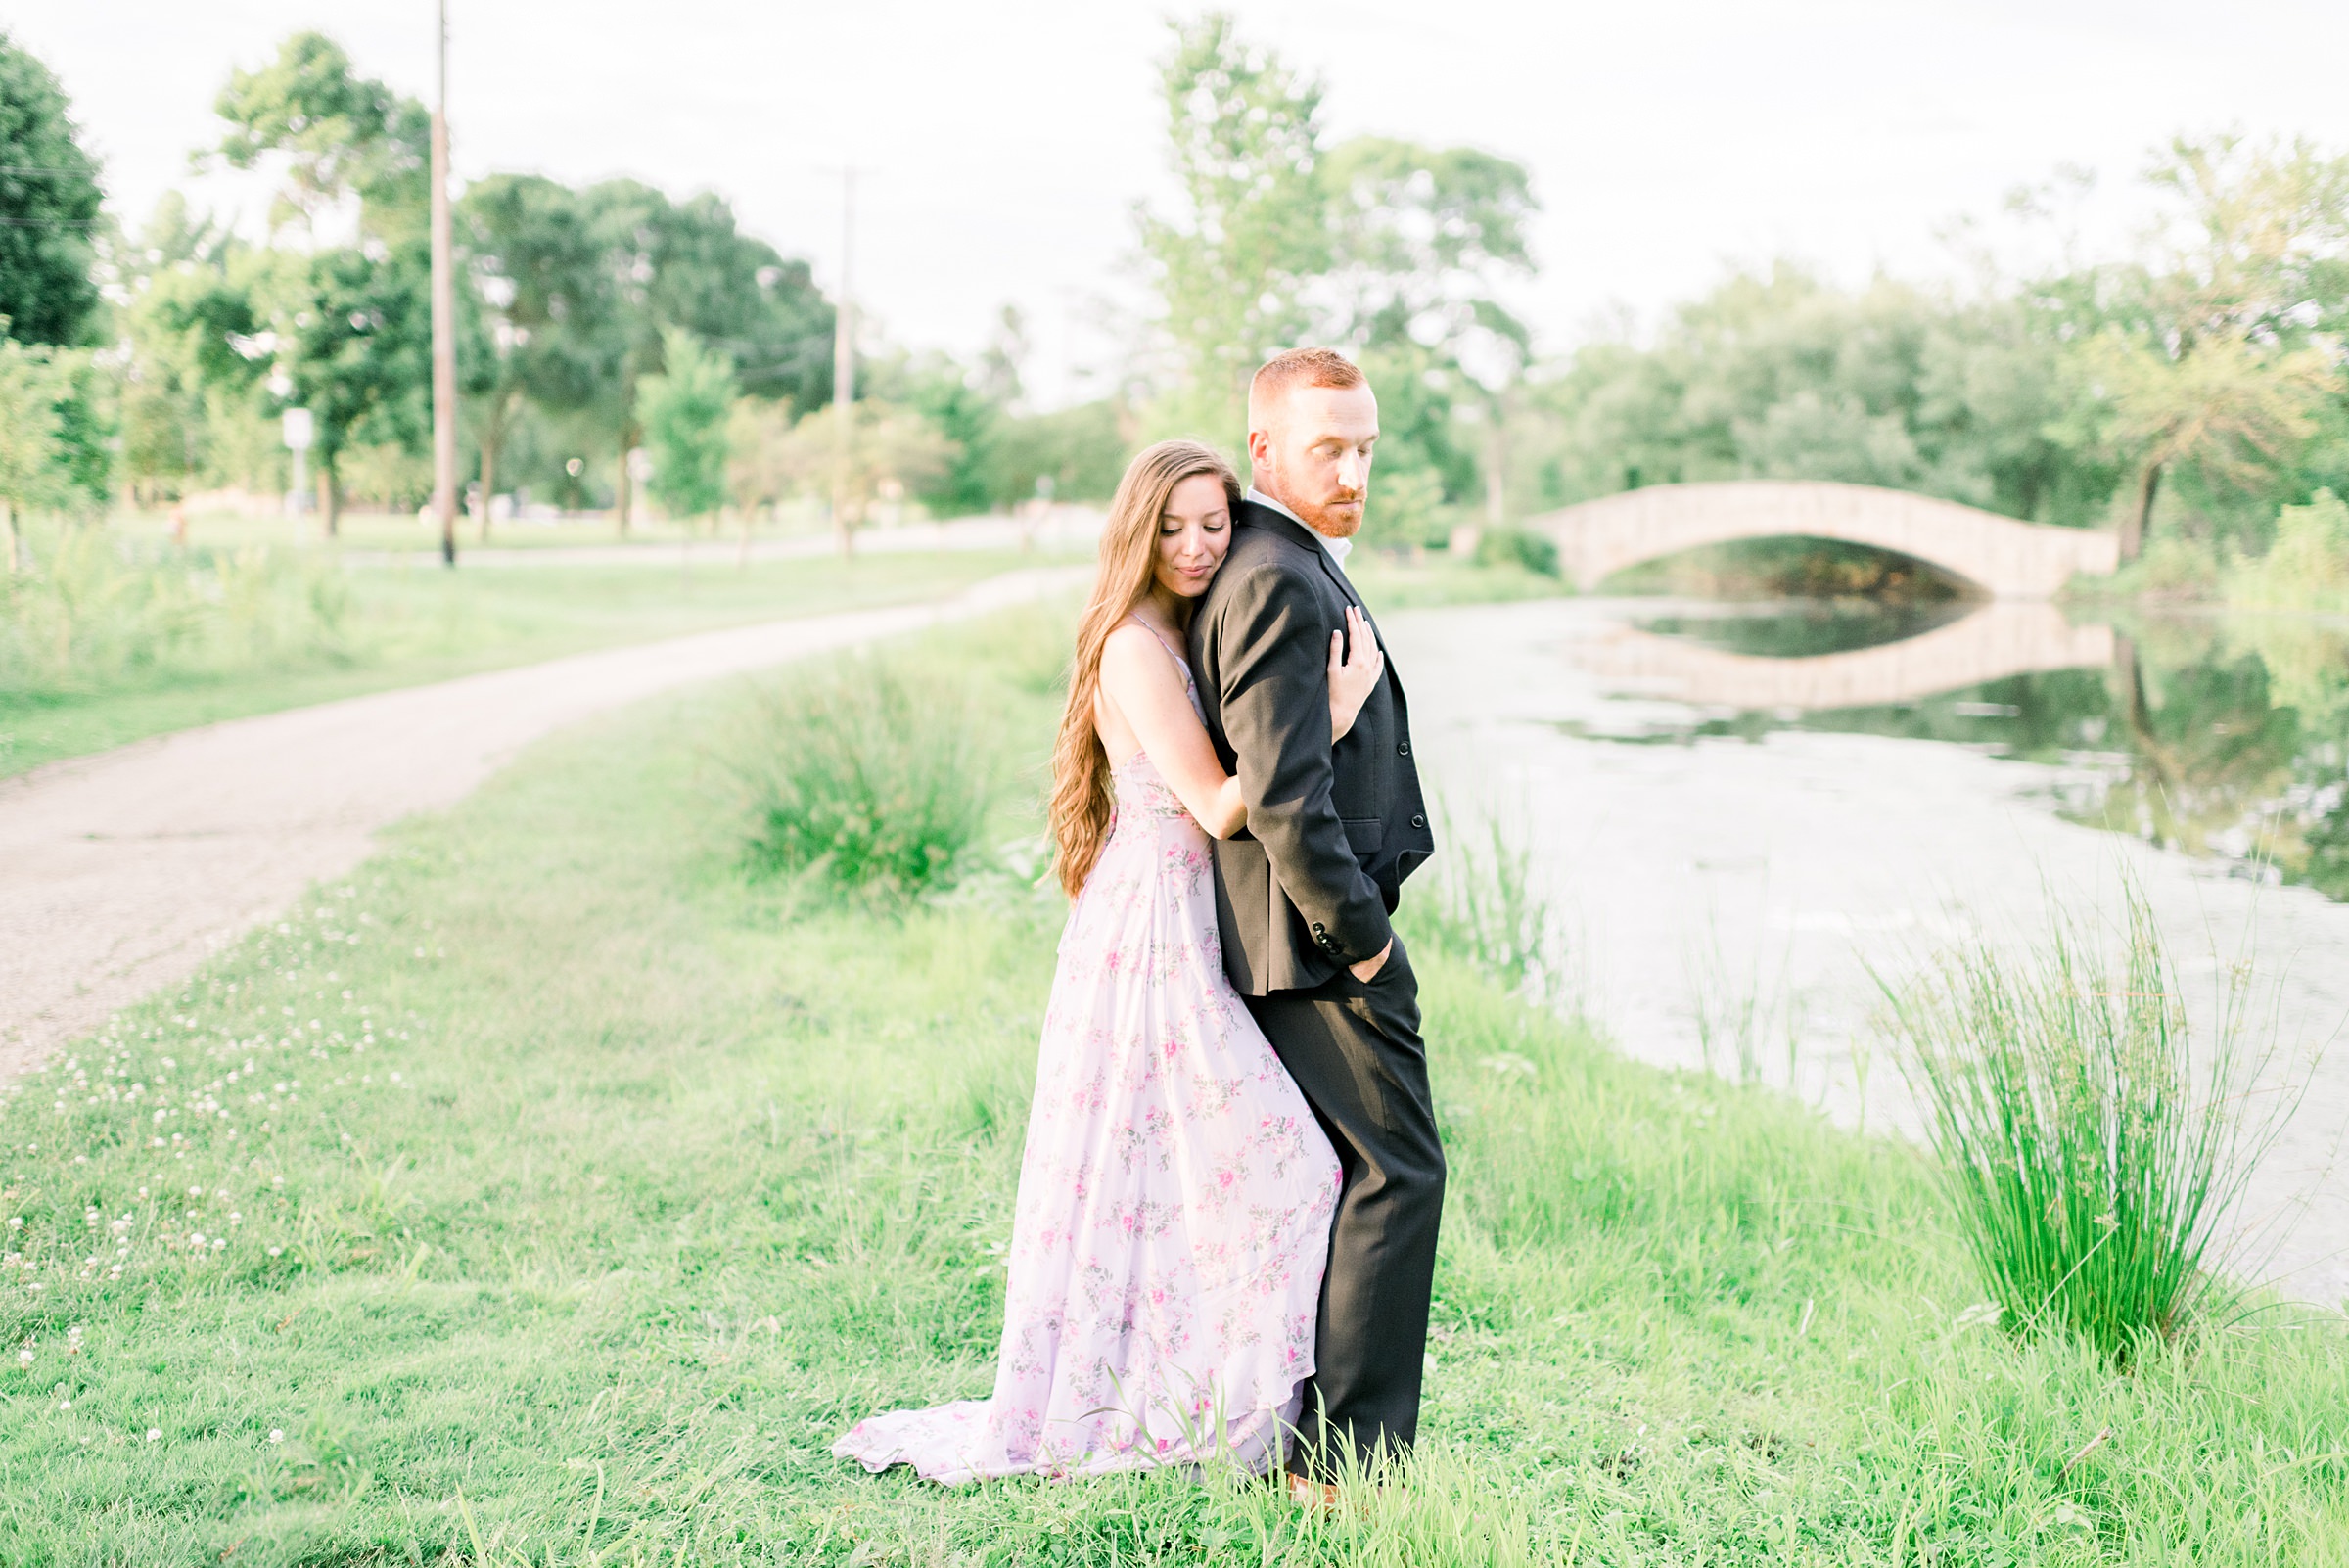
(2189, 390)
(2183, 392)
(603, 331)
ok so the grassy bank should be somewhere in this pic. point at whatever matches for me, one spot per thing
(1389, 583)
(132, 649)
(563, 1193)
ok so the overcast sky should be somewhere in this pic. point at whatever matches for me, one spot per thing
(1006, 140)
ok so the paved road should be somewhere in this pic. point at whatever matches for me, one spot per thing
(1069, 527)
(121, 873)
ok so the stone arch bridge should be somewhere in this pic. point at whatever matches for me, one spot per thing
(2004, 558)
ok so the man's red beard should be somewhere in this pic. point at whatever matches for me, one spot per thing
(1320, 518)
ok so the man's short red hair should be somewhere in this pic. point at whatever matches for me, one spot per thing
(1300, 367)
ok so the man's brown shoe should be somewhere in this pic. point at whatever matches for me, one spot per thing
(1314, 1497)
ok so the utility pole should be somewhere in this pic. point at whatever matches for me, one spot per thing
(844, 367)
(444, 324)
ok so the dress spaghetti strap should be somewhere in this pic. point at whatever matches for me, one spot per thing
(1136, 618)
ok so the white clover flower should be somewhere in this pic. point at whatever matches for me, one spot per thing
(155, 1434)
(63, 1406)
(275, 1251)
(277, 1434)
(24, 1358)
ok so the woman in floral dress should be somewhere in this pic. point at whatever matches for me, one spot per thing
(1175, 1191)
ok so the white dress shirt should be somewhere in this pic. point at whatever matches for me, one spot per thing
(1339, 549)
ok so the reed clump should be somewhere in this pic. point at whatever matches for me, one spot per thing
(87, 613)
(867, 776)
(2090, 1144)
(1479, 902)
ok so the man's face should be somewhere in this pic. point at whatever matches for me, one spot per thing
(1310, 451)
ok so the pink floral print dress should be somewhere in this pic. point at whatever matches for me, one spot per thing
(1175, 1199)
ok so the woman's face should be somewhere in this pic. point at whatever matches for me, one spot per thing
(1193, 532)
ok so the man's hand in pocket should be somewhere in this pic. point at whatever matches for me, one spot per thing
(1367, 970)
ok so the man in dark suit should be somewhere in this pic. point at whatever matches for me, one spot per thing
(1304, 895)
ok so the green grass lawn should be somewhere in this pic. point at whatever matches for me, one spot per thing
(547, 1192)
(404, 624)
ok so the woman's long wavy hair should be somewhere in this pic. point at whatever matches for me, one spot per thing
(1083, 799)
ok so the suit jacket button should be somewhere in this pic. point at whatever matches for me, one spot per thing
(1403, 748)
(1417, 820)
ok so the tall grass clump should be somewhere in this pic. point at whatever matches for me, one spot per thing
(868, 775)
(2090, 1144)
(1738, 1015)
(89, 613)
(1481, 905)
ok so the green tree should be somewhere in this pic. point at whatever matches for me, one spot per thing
(2221, 354)
(685, 265)
(197, 354)
(337, 133)
(1422, 239)
(2233, 408)
(32, 473)
(351, 323)
(53, 438)
(957, 406)
(1082, 449)
(685, 411)
(358, 355)
(1234, 269)
(1779, 375)
(1419, 239)
(891, 447)
(1390, 248)
(49, 210)
(537, 297)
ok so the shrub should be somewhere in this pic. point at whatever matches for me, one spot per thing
(1518, 548)
(870, 776)
(2307, 567)
(2171, 568)
(2090, 1147)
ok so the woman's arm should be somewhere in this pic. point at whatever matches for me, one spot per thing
(1141, 678)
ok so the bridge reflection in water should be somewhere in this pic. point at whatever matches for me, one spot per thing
(2002, 638)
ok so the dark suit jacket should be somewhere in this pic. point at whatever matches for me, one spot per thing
(1331, 832)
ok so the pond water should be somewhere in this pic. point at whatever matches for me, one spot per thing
(1740, 810)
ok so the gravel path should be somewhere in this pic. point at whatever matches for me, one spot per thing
(121, 873)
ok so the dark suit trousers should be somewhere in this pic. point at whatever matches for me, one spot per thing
(1355, 1050)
